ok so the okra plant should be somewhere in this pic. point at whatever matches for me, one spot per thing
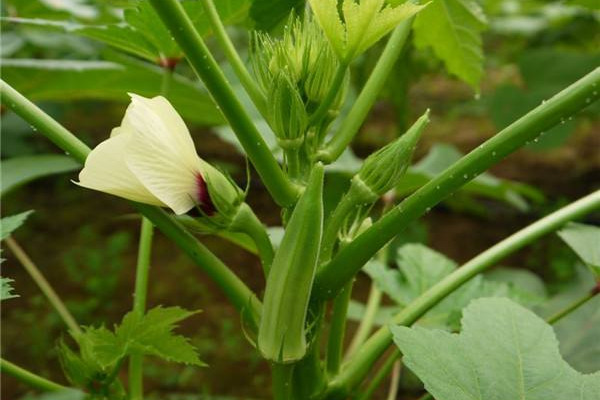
(463, 335)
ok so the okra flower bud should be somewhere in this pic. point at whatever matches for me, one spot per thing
(151, 159)
(282, 331)
(382, 170)
(365, 22)
(287, 114)
(302, 55)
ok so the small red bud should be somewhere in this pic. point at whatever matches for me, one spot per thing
(169, 62)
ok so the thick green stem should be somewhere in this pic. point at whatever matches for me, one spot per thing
(238, 293)
(574, 306)
(136, 388)
(44, 285)
(335, 344)
(233, 57)
(368, 95)
(282, 381)
(334, 91)
(29, 378)
(174, 17)
(333, 276)
(357, 368)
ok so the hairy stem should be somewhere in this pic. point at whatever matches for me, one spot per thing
(29, 378)
(136, 388)
(368, 95)
(44, 285)
(282, 381)
(358, 366)
(172, 14)
(333, 276)
(233, 57)
(237, 292)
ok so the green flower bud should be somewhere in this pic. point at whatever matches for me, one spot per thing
(282, 331)
(302, 54)
(286, 113)
(382, 170)
(221, 198)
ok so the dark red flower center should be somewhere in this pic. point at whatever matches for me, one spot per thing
(204, 201)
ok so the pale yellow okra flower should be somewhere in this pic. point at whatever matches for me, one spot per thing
(364, 23)
(151, 159)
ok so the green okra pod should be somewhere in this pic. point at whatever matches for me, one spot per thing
(282, 335)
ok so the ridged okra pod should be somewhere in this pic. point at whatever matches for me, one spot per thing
(282, 334)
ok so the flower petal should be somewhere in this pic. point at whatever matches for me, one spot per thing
(161, 153)
(105, 170)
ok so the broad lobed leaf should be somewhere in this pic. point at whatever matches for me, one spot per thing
(504, 351)
(420, 268)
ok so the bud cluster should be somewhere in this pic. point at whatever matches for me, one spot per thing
(295, 73)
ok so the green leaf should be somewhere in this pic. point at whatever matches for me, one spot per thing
(353, 26)
(585, 241)
(145, 36)
(267, 14)
(103, 80)
(6, 289)
(119, 36)
(150, 334)
(21, 170)
(452, 28)
(419, 268)
(503, 352)
(9, 224)
(527, 288)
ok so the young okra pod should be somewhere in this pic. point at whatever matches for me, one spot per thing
(282, 335)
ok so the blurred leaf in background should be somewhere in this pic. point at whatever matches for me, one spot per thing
(452, 28)
(544, 73)
(18, 171)
(105, 80)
